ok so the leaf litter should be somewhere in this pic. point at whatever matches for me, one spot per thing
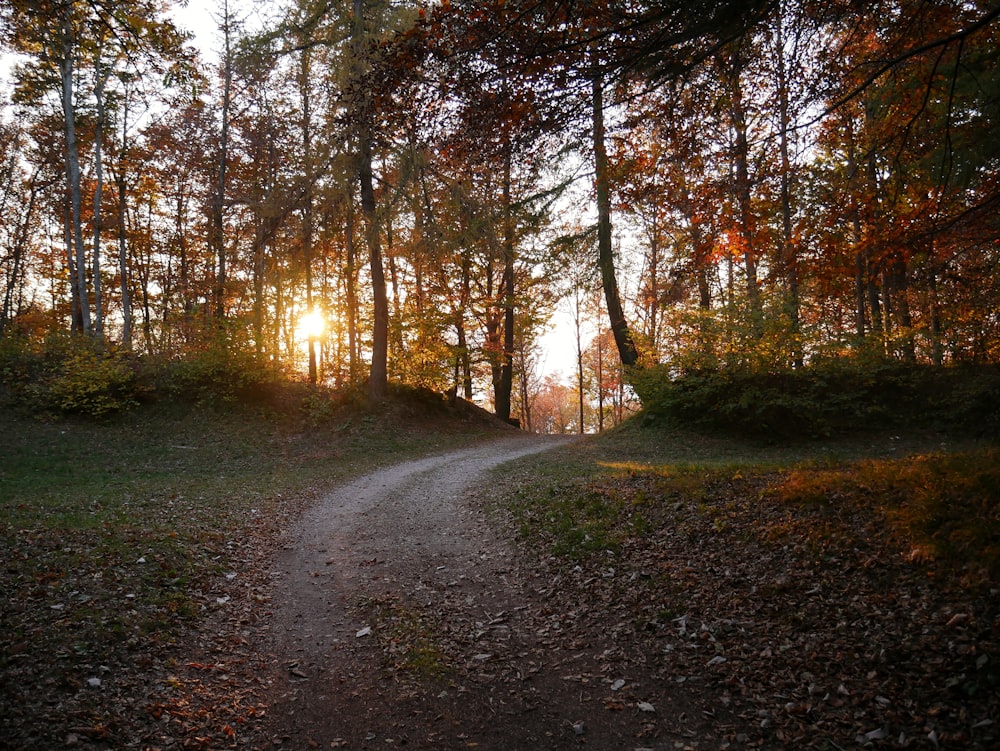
(714, 616)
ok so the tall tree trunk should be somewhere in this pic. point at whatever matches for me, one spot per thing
(396, 344)
(600, 383)
(378, 378)
(259, 244)
(874, 260)
(879, 327)
(858, 236)
(506, 383)
(605, 251)
(859, 297)
(99, 80)
(789, 257)
(746, 226)
(351, 294)
(937, 350)
(901, 286)
(463, 351)
(121, 182)
(378, 383)
(578, 323)
(217, 236)
(307, 207)
(78, 254)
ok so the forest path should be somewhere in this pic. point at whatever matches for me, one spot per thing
(395, 618)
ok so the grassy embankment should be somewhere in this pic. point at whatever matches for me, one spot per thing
(120, 536)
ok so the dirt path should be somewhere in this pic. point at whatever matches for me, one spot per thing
(396, 616)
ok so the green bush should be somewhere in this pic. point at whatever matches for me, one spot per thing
(68, 375)
(213, 376)
(827, 398)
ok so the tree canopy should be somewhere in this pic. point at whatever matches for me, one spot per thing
(758, 185)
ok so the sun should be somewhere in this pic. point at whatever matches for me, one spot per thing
(312, 325)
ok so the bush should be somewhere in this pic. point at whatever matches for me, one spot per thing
(68, 375)
(828, 398)
(91, 383)
(212, 376)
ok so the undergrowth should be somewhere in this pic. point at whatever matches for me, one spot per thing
(827, 399)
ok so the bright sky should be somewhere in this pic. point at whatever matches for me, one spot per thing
(196, 18)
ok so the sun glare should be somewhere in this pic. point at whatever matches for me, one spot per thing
(312, 325)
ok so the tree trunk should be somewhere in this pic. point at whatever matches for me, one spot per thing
(937, 351)
(605, 251)
(741, 157)
(378, 383)
(99, 80)
(856, 224)
(600, 383)
(78, 255)
(789, 257)
(901, 286)
(463, 351)
(218, 242)
(578, 321)
(121, 182)
(307, 207)
(506, 382)
(351, 294)
(378, 378)
(396, 344)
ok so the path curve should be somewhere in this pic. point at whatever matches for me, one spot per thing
(404, 531)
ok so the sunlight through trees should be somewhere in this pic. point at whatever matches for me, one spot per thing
(755, 185)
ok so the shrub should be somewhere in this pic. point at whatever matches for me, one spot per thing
(91, 383)
(68, 375)
(214, 375)
(827, 398)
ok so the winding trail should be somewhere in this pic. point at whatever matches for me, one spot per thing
(403, 532)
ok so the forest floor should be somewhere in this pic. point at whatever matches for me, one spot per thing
(643, 591)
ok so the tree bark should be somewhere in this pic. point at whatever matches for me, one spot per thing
(506, 381)
(789, 257)
(307, 207)
(351, 294)
(218, 242)
(378, 378)
(121, 182)
(78, 255)
(99, 78)
(741, 157)
(605, 252)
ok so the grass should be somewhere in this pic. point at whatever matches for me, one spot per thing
(941, 499)
(117, 537)
(411, 645)
(869, 565)
(944, 506)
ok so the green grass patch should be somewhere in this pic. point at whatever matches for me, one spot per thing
(119, 536)
(407, 638)
(624, 488)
